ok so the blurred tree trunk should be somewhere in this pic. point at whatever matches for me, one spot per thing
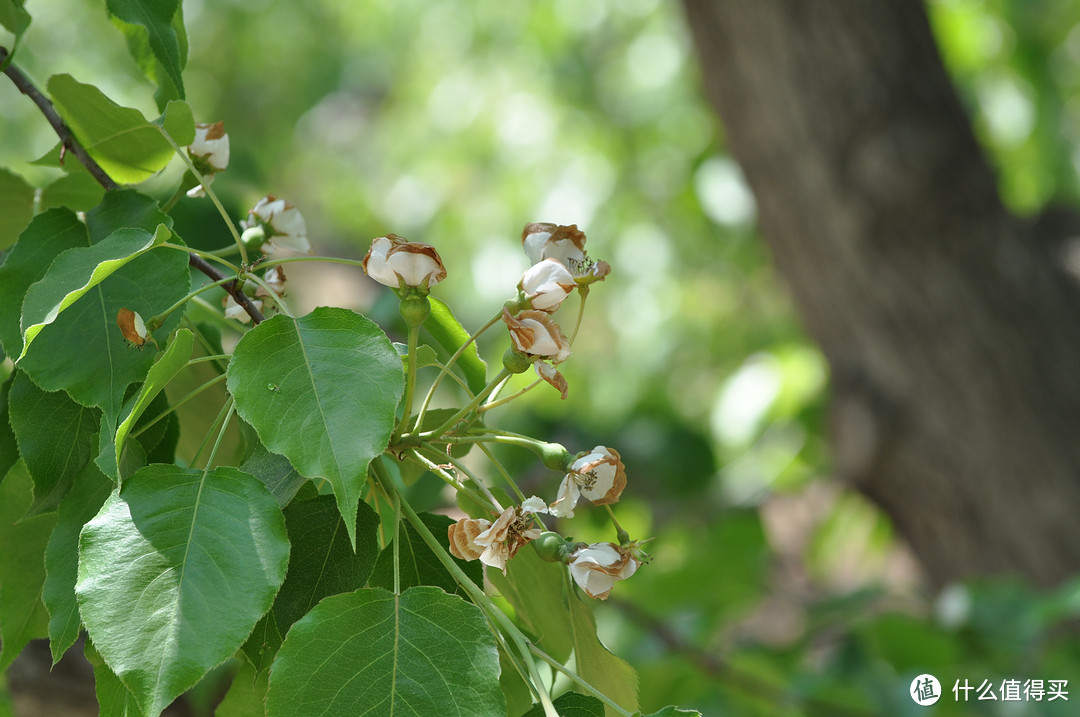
(952, 330)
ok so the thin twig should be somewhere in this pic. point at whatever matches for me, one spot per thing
(69, 143)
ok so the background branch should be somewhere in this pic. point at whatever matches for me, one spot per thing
(69, 143)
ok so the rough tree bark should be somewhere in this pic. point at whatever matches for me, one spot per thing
(952, 330)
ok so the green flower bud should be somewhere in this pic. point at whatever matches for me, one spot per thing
(516, 361)
(556, 457)
(414, 307)
(551, 547)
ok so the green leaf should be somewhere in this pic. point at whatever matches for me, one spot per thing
(22, 566)
(122, 208)
(194, 559)
(322, 390)
(131, 459)
(127, 147)
(49, 234)
(322, 563)
(563, 624)
(80, 192)
(83, 351)
(9, 449)
(16, 201)
(572, 704)
(418, 565)
(171, 362)
(450, 334)
(157, 17)
(78, 270)
(246, 695)
(425, 355)
(82, 503)
(114, 699)
(56, 438)
(275, 472)
(419, 653)
(178, 122)
(14, 17)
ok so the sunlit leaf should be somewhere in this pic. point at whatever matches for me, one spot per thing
(77, 271)
(321, 390)
(157, 17)
(246, 695)
(114, 699)
(450, 334)
(419, 653)
(194, 559)
(119, 139)
(174, 358)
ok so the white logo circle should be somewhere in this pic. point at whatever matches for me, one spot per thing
(925, 690)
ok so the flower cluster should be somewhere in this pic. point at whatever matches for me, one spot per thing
(275, 224)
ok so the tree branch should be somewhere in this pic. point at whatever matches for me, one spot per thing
(69, 143)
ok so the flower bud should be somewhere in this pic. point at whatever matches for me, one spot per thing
(396, 262)
(597, 567)
(546, 284)
(543, 240)
(414, 308)
(282, 222)
(551, 547)
(516, 361)
(537, 335)
(210, 147)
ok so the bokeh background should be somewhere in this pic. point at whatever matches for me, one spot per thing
(774, 589)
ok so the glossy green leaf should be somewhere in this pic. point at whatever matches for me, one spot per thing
(321, 563)
(83, 351)
(22, 566)
(77, 271)
(80, 192)
(321, 390)
(49, 234)
(275, 472)
(451, 335)
(127, 147)
(571, 704)
(174, 358)
(194, 559)
(56, 436)
(16, 203)
(156, 16)
(87, 494)
(114, 699)
(418, 565)
(419, 653)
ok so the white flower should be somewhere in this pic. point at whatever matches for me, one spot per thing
(211, 145)
(543, 240)
(549, 373)
(597, 567)
(275, 279)
(546, 284)
(494, 543)
(392, 260)
(600, 476)
(283, 223)
(534, 333)
(234, 310)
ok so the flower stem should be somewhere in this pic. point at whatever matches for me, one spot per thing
(449, 364)
(495, 404)
(410, 383)
(194, 392)
(205, 287)
(469, 408)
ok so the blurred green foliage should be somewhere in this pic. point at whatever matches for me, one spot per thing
(455, 122)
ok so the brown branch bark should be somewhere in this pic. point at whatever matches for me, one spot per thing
(68, 141)
(952, 333)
